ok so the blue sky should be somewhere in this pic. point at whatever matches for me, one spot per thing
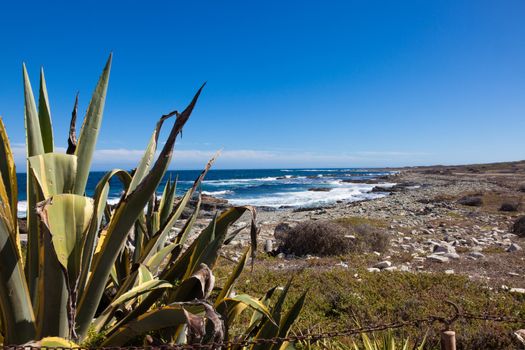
(290, 83)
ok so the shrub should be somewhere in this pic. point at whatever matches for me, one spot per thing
(369, 239)
(320, 238)
(507, 206)
(471, 201)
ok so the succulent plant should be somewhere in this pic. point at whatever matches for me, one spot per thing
(114, 270)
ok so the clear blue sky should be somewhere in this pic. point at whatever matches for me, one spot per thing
(290, 83)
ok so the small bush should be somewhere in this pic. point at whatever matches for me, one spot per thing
(509, 206)
(369, 239)
(320, 238)
(471, 201)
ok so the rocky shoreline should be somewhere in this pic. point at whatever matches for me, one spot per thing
(431, 224)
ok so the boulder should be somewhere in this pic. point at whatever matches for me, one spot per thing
(519, 226)
(471, 201)
(320, 189)
(513, 248)
(437, 258)
(509, 207)
(383, 264)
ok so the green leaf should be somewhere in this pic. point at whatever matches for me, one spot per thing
(44, 115)
(154, 262)
(8, 171)
(67, 216)
(33, 133)
(55, 172)
(90, 128)
(167, 316)
(226, 289)
(18, 320)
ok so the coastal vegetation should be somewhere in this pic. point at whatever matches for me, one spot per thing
(98, 275)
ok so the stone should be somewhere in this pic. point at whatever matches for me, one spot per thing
(449, 272)
(518, 290)
(513, 248)
(268, 246)
(383, 264)
(444, 248)
(373, 269)
(437, 258)
(519, 226)
(476, 255)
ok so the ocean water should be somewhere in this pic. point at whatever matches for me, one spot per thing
(272, 188)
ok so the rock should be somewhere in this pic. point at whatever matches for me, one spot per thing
(281, 256)
(373, 269)
(471, 201)
(449, 272)
(390, 268)
(437, 258)
(476, 255)
(268, 246)
(513, 248)
(444, 248)
(383, 264)
(320, 189)
(452, 255)
(518, 290)
(509, 207)
(519, 226)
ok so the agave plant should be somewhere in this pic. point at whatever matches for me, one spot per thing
(116, 270)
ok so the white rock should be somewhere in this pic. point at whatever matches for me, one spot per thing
(373, 269)
(437, 258)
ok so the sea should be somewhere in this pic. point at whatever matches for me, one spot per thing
(269, 188)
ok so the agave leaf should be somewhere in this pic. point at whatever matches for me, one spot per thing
(178, 270)
(253, 303)
(55, 172)
(227, 288)
(166, 202)
(142, 288)
(34, 142)
(72, 138)
(159, 238)
(270, 329)
(18, 319)
(8, 171)
(167, 316)
(290, 317)
(44, 115)
(188, 226)
(53, 342)
(122, 221)
(154, 262)
(100, 197)
(90, 129)
(34, 147)
(198, 286)
(133, 293)
(67, 216)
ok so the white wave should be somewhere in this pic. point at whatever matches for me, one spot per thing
(231, 182)
(217, 193)
(310, 198)
(22, 209)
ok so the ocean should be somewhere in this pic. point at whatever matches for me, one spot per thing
(272, 188)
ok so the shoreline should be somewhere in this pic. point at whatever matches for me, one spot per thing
(429, 230)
